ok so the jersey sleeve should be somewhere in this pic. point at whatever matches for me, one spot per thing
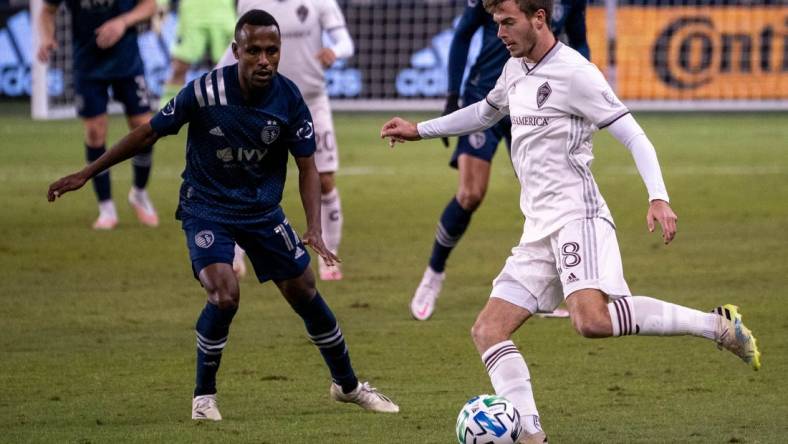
(498, 97)
(177, 112)
(592, 98)
(301, 131)
(470, 20)
(330, 15)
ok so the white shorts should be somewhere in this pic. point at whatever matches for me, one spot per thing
(583, 254)
(327, 154)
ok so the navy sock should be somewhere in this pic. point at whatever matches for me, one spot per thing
(454, 221)
(212, 329)
(142, 164)
(324, 332)
(101, 183)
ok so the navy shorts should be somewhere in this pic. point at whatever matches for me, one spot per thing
(92, 95)
(273, 247)
(482, 144)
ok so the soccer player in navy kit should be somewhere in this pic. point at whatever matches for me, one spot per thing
(106, 55)
(244, 119)
(569, 18)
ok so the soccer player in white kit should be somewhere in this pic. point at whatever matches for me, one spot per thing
(556, 100)
(304, 61)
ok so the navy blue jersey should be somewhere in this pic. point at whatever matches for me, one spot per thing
(492, 56)
(236, 151)
(569, 17)
(91, 62)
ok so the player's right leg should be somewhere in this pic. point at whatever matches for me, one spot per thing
(211, 251)
(474, 176)
(507, 369)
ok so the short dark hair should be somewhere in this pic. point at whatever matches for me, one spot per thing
(255, 17)
(529, 7)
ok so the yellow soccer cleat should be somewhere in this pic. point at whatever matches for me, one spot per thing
(733, 336)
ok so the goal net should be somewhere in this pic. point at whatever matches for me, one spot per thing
(658, 55)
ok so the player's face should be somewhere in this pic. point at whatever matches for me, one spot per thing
(257, 50)
(515, 29)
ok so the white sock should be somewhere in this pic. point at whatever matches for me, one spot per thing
(511, 379)
(645, 316)
(107, 209)
(331, 219)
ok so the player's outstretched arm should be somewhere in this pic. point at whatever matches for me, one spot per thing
(309, 187)
(129, 146)
(399, 130)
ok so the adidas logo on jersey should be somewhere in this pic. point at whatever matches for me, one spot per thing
(299, 252)
(571, 278)
(216, 132)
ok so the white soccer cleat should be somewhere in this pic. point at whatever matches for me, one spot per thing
(239, 265)
(328, 272)
(143, 207)
(423, 303)
(108, 216)
(105, 223)
(733, 336)
(366, 396)
(204, 407)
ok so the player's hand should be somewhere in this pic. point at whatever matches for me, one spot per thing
(452, 104)
(399, 130)
(660, 211)
(315, 241)
(65, 184)
(45, 50)
(110, 32)
(326, 57)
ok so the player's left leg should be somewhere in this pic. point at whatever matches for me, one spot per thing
(133, 93)
(277, 254)
(323, 330)
(592, 270)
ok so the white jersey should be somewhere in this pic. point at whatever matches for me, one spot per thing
(555, 105)
(302, 23)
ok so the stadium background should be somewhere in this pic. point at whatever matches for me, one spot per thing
(732, 51)
(96, 329)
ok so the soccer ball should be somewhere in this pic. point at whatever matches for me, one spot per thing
(488, 419)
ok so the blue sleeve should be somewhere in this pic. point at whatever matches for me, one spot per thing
(176, 113)
(471, 20)
(301, 131)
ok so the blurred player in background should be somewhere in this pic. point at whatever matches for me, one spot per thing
(232, 189)
(305, 60)
(474, 152)
(106, 56)
(204, 26)
(569, 24)
(556, 100)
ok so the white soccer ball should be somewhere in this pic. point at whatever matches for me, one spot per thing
(488, 419)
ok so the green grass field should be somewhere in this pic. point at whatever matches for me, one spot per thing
(97, 328)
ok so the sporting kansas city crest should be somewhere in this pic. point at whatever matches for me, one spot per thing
(542, 94)
(270, 132)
